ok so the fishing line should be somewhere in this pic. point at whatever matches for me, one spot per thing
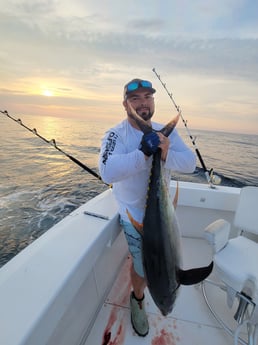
(52, 142)
(211, 178)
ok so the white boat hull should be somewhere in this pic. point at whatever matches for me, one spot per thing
(53, 291)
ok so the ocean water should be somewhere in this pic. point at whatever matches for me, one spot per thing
(39, 185)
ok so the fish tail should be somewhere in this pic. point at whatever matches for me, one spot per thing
(170, 126)
(194, 275)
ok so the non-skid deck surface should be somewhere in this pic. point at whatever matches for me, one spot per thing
(190, 322)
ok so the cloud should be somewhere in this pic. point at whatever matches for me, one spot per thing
(11, 91)
(81, 50)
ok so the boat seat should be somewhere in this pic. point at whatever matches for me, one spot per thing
(236, 259)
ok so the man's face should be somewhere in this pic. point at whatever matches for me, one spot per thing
(143, 103)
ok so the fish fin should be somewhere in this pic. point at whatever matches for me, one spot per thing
(137, 226)
(194, 275)
(176, 196)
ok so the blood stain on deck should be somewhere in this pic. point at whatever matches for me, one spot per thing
(114, 333)
(164, 338)
(164, 335)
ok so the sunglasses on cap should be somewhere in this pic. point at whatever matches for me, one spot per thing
(136, 84)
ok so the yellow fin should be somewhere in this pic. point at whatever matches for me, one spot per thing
(137, 226)
(176, 196)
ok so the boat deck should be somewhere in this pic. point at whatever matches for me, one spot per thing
(191, 322)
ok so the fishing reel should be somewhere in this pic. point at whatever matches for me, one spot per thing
(212, 178)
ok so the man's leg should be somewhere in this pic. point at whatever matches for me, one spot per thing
(138, 283)
(138, 314)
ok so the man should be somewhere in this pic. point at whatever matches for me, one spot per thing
(125, 162)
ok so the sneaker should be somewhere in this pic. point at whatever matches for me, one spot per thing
(138, 316)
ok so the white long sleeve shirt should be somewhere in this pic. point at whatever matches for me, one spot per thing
(124, 166)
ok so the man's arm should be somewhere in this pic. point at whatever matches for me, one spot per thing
(115, 163)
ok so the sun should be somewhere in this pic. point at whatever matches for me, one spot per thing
(48, 93)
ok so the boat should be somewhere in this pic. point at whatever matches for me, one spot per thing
(71, 286)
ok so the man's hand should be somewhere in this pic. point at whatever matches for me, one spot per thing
(164, 145)
(150, 143)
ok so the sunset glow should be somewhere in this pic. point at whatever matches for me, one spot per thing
(48, 93)
(73, 59)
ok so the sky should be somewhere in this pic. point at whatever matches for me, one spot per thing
(72, 58)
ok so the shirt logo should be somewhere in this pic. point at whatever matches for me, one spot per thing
(110, 146)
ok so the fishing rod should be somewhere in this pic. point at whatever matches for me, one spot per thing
(52, 142)
(211, 178)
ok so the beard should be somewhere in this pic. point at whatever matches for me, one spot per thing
(145, 113)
